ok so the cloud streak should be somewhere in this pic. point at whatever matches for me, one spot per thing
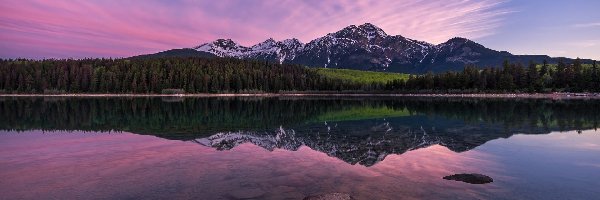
(114, 28)
(585, 43)
(587, 25)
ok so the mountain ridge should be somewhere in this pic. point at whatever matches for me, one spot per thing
(368, 47)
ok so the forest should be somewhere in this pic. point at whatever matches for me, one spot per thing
(227, 75)
(511, 77)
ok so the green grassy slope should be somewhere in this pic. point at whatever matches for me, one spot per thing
(360, 76)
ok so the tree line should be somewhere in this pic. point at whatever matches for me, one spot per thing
(223, 75)
(511, 77)
(193, 75)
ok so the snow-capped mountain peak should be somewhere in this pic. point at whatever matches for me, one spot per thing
(372, 30)
(367, 30)
(222, 48)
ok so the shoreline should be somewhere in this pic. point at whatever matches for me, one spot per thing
(484, 95)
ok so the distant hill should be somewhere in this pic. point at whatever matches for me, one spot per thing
(187, 52)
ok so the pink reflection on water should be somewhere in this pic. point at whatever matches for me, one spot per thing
(62, 165)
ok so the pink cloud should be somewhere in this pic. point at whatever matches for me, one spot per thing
(65, 28)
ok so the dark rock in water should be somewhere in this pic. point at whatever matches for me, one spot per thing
(330, 196)
(470, 178)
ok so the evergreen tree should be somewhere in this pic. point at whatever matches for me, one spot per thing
(533, 79)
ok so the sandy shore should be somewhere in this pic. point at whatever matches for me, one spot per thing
(519, 95)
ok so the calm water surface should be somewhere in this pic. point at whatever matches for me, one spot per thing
(290, 148)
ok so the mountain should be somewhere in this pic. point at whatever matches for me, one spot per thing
(365, 47)
(280, 51)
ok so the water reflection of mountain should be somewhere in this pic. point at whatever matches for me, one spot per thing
(367, 142)
(356, 130)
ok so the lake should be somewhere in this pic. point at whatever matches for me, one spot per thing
(292, 148)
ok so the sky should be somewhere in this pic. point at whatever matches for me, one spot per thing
(122, 28)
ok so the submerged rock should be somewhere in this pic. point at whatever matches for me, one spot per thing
(330, 196)
(470, 178)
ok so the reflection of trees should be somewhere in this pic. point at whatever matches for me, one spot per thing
(198, 117)
(156, 116)
(544, 113)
